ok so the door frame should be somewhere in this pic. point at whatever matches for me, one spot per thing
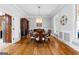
(4, 34)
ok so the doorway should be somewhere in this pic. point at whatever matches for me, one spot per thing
(1, 20)
(7, 25)
(24, 27)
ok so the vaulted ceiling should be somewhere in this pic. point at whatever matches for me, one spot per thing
(32, 9)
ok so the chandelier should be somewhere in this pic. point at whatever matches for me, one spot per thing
(39, 20)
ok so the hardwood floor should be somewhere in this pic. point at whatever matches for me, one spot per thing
(28, 47)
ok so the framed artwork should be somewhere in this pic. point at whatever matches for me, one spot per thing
(39, 24)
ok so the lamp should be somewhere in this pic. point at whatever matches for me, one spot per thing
(39, 19)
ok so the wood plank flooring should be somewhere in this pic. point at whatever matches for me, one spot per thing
(28, 47)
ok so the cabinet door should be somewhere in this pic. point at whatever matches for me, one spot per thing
(24, 27)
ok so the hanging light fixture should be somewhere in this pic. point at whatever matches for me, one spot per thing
(39, 19)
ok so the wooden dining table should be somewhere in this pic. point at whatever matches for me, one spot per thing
(40, 34)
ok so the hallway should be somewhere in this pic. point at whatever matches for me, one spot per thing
(28, 47)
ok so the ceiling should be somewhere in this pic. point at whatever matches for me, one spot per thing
(32, 9)
(44, 10)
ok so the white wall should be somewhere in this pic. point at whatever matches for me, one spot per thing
(16, 15)
(52, 24)
(70, 12)
(16, 32)
(46, 22)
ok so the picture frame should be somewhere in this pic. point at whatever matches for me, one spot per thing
(39, 24)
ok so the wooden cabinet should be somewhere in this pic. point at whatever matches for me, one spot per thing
(24, 26)
(40, 33)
